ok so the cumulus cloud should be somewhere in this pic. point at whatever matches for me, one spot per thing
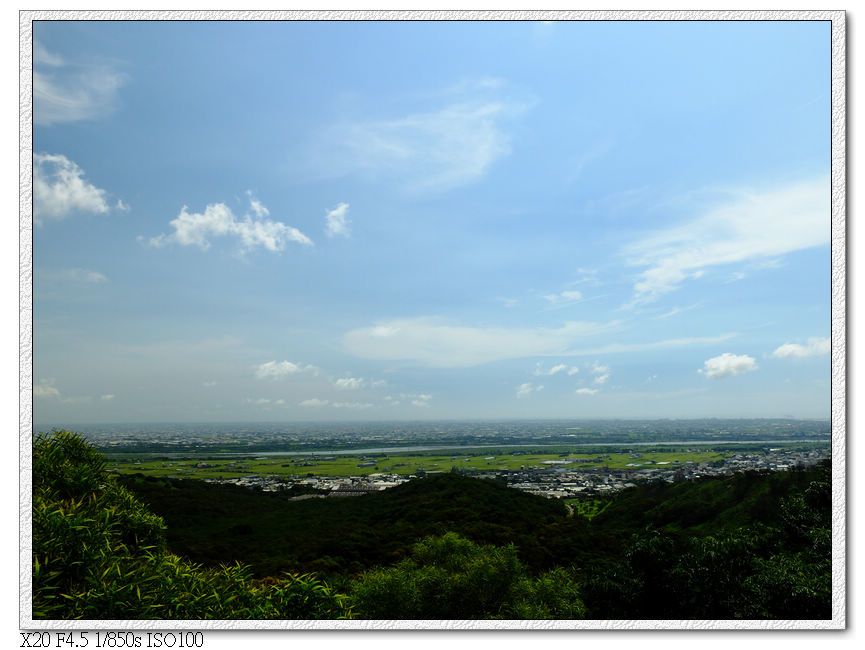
(59, 189)
(350, 383)
(45, 388)
(586, 391)
(277, 370)
(602, 373)
(336, 222)
(727, 365)
(524, 390)
(65, 91)
(434, 343)
(815, 347)
(751, 226)
(251, 230)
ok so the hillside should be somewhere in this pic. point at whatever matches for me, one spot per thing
(748, 546)
(213, 523)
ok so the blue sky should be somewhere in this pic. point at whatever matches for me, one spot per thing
(360, 220)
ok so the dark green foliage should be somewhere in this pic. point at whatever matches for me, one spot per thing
(706, 505)
(98, 553)
(450, 577)
(757, 571)
(753, 545)
(348, 534)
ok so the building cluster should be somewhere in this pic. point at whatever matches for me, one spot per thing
(553, 479)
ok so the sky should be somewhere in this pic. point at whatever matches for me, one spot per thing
(295, 221)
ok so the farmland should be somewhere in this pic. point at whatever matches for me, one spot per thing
(408, 464)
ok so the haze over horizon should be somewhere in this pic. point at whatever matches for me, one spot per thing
(335, 221)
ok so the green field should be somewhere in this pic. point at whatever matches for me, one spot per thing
(405, 465)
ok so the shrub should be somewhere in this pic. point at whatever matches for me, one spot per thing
(450, 577)
(98, 553)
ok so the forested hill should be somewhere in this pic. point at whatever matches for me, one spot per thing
(445, 547)
(214, 523)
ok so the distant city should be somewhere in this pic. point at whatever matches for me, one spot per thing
(574, 456)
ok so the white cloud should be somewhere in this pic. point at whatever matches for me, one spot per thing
(314, 402)
(120, 206)
(336, 221)
(540, 372)
(432, 342)
(277, 370)
(59, 189)
(107, 398)
(728, 365)
(77, 276)
(524, 390)
(351, 405)
(420, 403)
(431, 151)
(563, 297)
(41, 56)
(752, 226)
(425, 397)
(614, 348)
(586, 391)
(602, 373)
(63, 92)
(350, 383)
(677, 310)
(217, 220)
(815, 347)
(45, 388)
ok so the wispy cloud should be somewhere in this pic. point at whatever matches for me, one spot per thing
(314, 402)
(815, 347)
(751, 226)
(430, 151)
(563, 297)
(559, 368)
(76, 276)
(336, 221)
(676, 310)
(616, 348)
(59, 189)
(278, 370)
(65, 91)
(727, 365)
(352, 405)
(217, 220)
(435, 343)
(586, 391)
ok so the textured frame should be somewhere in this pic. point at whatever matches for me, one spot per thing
(838, 316)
